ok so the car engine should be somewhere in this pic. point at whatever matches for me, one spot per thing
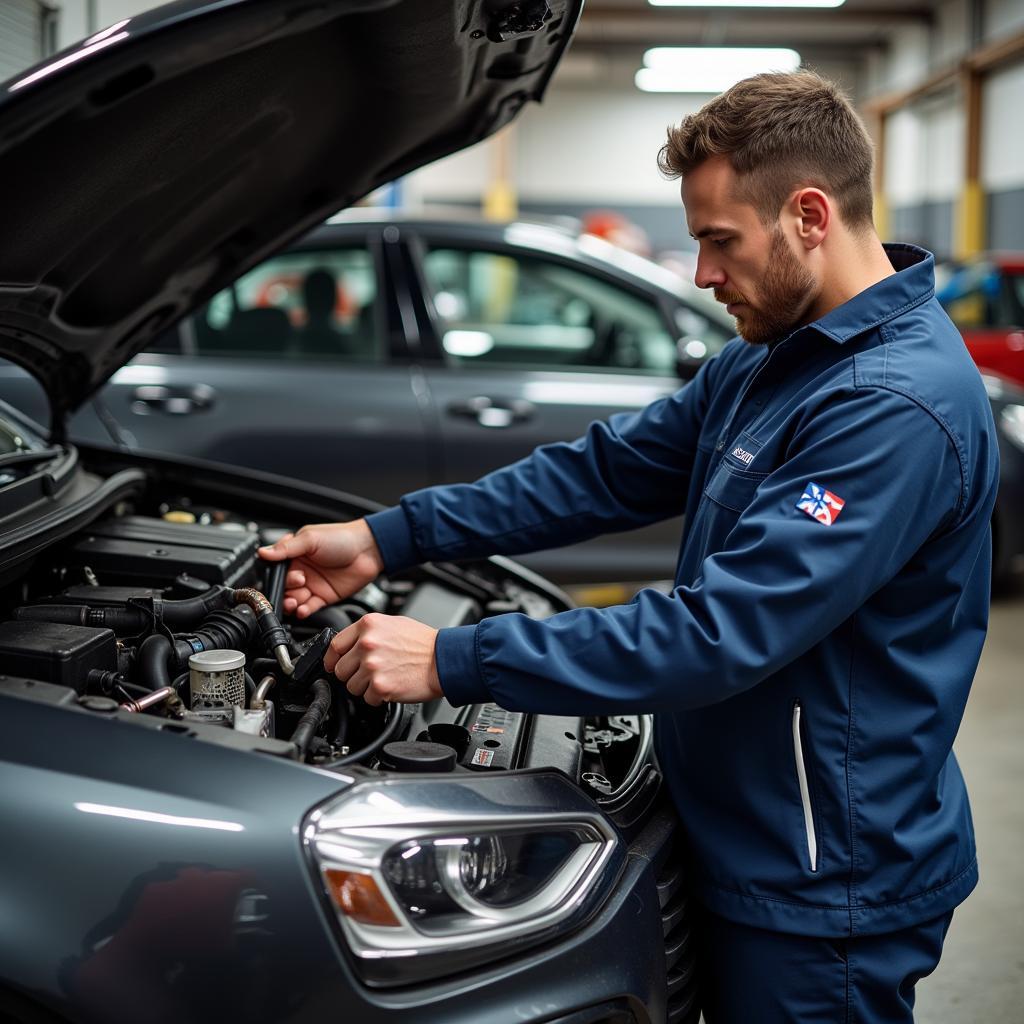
(162, 609)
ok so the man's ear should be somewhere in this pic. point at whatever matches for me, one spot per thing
(812, 215)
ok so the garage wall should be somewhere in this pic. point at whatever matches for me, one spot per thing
(1003, 17)
(74, 24)
(1002, 158)
(585, 147)
(22, 35)
(923, 172)
(925, 142)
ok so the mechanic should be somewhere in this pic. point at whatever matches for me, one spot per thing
(838, 465)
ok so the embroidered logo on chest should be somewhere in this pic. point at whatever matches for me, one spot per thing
(744, 456)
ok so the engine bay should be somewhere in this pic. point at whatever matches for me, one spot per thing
(161, 609)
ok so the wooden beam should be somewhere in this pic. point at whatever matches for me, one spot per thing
(981, 61)
(891, 102)
(992, 55)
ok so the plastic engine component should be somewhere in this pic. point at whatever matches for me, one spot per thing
(439, 607)
(495, 736)
(310, 663)
(155, 552)
(55, 653)
(217, 679)
(414, 756)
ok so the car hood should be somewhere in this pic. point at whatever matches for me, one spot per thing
(149, 166)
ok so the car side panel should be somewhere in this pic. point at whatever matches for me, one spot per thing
(546, 407)
(359, 428)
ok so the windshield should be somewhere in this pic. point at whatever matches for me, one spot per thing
(20, 390)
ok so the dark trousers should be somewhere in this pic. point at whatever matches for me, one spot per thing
(751, 976)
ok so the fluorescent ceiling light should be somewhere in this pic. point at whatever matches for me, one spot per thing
(708, 69)
(746, 3)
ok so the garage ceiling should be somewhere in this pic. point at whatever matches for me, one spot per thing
(857, 23)
(613, 35)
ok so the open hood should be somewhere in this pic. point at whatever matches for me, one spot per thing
(152, 164)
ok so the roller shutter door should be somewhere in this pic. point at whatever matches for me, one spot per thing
(21, 35)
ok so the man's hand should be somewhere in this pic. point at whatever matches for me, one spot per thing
(330, 561)
(385, 658)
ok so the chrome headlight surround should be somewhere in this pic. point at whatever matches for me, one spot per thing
(357, 834)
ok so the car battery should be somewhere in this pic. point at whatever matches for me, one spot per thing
(139, 548)
(55, 653)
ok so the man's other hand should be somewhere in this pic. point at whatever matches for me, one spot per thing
(385, 658)
(330, 561)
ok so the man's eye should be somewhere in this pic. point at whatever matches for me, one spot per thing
(720, 243)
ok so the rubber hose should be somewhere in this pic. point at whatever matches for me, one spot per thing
(228, 630)
(134, 689)
(154, 655)
(273, 586)
(177, 615)
(314, 716)
(392, 724)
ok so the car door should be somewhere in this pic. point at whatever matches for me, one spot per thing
(287, 370)
(531, 349)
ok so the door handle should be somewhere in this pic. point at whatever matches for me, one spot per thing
(180, 401)
(495, 413)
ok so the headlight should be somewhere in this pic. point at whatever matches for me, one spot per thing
(1011, 421)
(429, 876)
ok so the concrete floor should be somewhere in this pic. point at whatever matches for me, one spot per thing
(981, 975)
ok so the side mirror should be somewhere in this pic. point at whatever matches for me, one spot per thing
(691, 354)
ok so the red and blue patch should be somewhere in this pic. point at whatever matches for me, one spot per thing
(820, 504)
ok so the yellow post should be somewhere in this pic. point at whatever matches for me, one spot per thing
(500, 196)
(970, 235)
(970, 220)
(881, 210)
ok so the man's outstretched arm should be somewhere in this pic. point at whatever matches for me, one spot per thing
(627, 472)
(781, 583)
(630, 471)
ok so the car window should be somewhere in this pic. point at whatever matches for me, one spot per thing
(520, 310)
(1012, 298)
(308, 305)
(980, 295)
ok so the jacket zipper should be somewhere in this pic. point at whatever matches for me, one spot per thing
(805, 790)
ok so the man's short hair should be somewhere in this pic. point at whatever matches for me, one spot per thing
(780, 132)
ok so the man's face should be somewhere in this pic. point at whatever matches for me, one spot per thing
(752, 269)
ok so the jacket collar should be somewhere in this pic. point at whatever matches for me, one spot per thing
(912, 284)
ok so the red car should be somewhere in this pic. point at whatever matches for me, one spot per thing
(985, 299)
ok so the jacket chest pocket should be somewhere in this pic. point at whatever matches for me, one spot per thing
(726, 495)
(733, 488)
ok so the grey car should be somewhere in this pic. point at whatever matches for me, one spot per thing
(197, 824)
(384, 353)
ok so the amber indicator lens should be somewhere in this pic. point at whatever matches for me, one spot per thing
(358, 897)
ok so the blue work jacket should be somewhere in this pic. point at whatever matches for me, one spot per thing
(810, 668)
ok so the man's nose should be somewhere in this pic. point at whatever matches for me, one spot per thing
(707, 274)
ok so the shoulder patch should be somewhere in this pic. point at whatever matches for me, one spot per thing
(820, 504)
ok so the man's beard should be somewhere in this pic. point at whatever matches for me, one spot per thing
(785, 295)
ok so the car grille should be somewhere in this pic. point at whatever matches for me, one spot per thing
(683, 1005)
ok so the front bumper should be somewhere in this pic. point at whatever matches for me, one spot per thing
(612, 971)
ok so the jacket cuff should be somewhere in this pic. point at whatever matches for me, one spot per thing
(457, 667)
(392, 531)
